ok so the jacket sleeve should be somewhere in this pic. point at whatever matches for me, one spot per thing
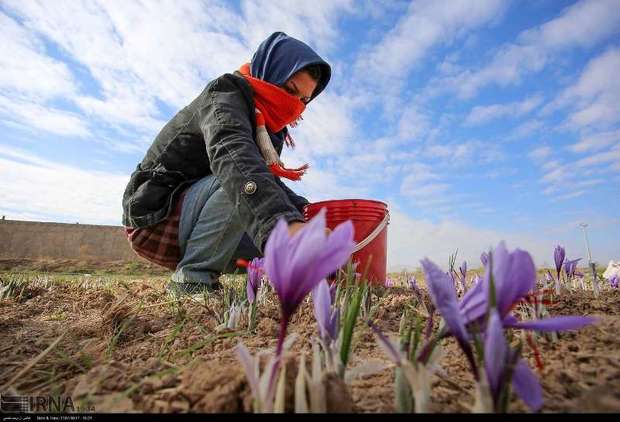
(235, 160)
(299, 201)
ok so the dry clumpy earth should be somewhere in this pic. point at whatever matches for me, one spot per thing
(126, 347)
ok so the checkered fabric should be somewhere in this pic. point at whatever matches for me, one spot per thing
(159, 243)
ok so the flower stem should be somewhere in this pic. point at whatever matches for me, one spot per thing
(283, 326)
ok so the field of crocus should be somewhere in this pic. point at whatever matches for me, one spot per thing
(289, 336)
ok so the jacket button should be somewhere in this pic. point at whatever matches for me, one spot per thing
(249, 188)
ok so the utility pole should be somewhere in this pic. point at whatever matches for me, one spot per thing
(592, 264)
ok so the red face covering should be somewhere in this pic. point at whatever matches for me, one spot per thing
(278, 107)
(275, 109)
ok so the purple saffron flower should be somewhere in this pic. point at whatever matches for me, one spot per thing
(613, 282)
(389, 282)
(484, 258)
(495, 353)
(548, 276)
(463, 270)
(527, 386)
(514, 275)
(570, 266)
(497, 356)
(326, 317)
(295, 265)
(413, 284)
(443, 295)
(389, 346)
(559, 323)
(255, 275)
(558, 255)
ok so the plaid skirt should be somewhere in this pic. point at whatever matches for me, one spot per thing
(159, 243)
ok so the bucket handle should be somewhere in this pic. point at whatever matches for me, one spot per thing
(373, 234)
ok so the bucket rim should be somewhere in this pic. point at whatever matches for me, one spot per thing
(349, 199)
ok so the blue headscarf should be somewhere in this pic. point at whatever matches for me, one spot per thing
(279, 57)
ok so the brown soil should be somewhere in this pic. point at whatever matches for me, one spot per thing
(129, 349)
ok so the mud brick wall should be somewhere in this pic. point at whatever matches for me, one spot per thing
(38, 240)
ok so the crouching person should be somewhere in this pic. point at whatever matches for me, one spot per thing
(208, 191)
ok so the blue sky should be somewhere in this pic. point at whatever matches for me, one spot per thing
(476, 121)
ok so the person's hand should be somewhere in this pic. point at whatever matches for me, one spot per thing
(295, 226)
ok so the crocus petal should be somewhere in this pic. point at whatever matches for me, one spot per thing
(484, 258)
(560, 323)
(334, 253)
(495, 352)
(389, 346)
(570, 266)
(463, 269)
(250, 292)
(287, 257)
(295, 265)
(514, 275)
(321, 302)
(474, 304)
(558, 255)
(254, 270)
(305, 252)
(247, 361)
(276, 249)
(443, 296)
(527, 386)
(337, 250)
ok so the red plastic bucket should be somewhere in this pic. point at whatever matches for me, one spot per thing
(370, 220)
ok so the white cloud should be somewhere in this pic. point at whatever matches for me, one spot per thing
(527, 128)
(460, 153)
(567, 196)
(141, 53)
(610, 156)
(422, 182)
(482, 114)
(595, 97)
(410, 240)
(326, 129)
(30, 115)
(321, 184)
(37, 187)
(583, 24)
(426, 24)
(26, 69)
(596, 141)
(572, 185)
(314, 21)
(541, 153)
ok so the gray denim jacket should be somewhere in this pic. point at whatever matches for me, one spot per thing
(212, 135)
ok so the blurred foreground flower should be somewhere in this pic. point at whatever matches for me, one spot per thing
(295, 265)
(486, 308)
